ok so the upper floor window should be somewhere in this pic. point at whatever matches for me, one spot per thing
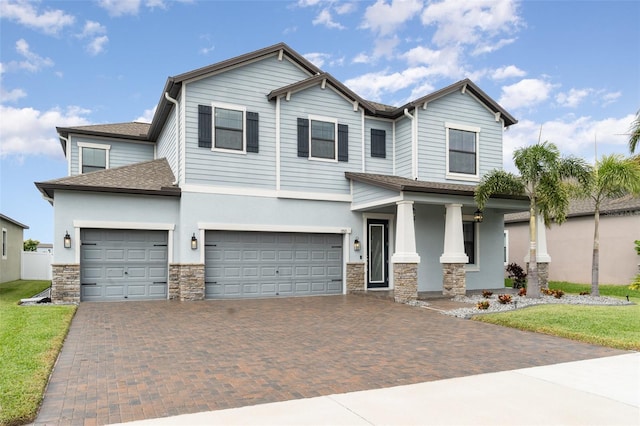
(232, 129)
(462, 151)
(378, 143)
(93, 157)
(317, 139)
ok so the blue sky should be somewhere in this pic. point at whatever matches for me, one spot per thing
(570, 68)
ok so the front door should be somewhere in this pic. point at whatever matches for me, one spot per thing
(378, 253)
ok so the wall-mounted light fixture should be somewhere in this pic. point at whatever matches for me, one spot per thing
(194, 242)
(67, 240)
(477, 216)
(356, 244)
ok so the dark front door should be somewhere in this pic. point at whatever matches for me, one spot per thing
(378, 253)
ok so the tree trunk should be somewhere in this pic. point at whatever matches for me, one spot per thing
(533, 285)
(595, 260)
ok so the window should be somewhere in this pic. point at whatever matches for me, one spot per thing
(505, 253)
(378, 143)
(93, 157)
(469, 234)
(323, 139)
(232, 128)
(4, 243)
(462, 151)
(317, 139)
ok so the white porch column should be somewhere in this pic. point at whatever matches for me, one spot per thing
(453, 237)
(405, 235)
(541, 244)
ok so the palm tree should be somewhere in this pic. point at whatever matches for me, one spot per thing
(613, 177)
(634, 131)
(544, 179)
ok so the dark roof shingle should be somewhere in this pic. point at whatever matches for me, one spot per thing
(586, 207)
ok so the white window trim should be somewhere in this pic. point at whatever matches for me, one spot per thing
(335, 137)
(223, 105)
(506, 247)
(474, 267)
(466, 128)
(95, 146)
(5, 243)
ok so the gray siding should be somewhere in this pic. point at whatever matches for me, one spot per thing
(304, 174)
(403, 148)
(363, 193)
(166, 144)
(460, 109)
(245, 86)
(383, 166)
(121, 153)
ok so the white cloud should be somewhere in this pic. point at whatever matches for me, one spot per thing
(32, 61)
(384, 18)
(362, 58)
(609, 98)
(573, 98)
(25, 13)
(11, 96)
(509, 71)
(325, 18)
(385, 47)
(27, 131)
(317, 59)
(525, 93)
(483, 48)
(344, 8)
(147, 115)
(96, 33)
(92, 28)
(373, 85)
(470, 22)
(305, 3)
(120, 7)
(97, 45)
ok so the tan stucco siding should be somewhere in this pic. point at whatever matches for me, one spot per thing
(571, 245)
(10, 263)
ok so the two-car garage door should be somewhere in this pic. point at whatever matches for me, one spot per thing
(271, 264)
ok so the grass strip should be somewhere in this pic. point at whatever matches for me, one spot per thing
(30, 339)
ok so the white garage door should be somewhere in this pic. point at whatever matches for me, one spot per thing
(118, 265)
(270, 264)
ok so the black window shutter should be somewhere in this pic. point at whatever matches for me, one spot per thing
(343, 142)
(252, 132)
(378, 143)
(204, 126)
(303, 137)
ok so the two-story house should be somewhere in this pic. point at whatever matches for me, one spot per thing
(262, 176)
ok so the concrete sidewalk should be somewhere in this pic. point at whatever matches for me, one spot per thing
(602, 391)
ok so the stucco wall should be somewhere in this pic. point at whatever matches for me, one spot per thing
(10, 265)
(570, 247)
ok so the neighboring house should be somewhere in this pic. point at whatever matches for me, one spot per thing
(45, 248)
(262, 176)
(570, 245)
(12, 245)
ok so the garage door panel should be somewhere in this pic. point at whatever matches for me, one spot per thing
(115, 254)
(271, 264)
(114, 272)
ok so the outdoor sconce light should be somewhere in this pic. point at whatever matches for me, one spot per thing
(477, 216)
(67, 240)
(356, 244)
(194, 242)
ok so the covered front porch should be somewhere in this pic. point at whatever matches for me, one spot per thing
(426, 238)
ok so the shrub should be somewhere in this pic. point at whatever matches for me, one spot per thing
(522, 292)
(546, 291)
(486, 294)
(557, 293)
(584, 293)
(635, 285)
(518, 275)
(483, 304)
(504, 298)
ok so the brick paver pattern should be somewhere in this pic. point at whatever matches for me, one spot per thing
(127, 361)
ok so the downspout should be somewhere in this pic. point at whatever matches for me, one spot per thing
(175, 102)
(414, 172)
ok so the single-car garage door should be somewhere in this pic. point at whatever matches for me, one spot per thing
(271, 264)
(123, 265)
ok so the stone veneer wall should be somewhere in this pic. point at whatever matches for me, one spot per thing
(405, 282)
(186, 281)
(355, 277)
(543, 274)
(454, 279)
(65, 283)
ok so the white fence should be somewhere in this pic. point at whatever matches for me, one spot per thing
(36, 266)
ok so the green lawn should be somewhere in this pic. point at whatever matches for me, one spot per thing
(613, 326)
(30, 339)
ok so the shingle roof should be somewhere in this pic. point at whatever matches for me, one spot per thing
(150, 177)
(398, 183)
(134, 130)
(15, 222)
(586, 207)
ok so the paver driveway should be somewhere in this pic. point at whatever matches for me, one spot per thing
(136, 360)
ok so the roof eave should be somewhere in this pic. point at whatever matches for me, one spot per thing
(48, 189)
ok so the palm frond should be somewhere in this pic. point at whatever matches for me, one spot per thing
(498, 182)
(634, 130)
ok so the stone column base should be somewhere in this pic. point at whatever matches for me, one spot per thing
(454, 279)
(405, 282)
(65, 283)
(543, 274)
(186, 281)
(355, 277)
